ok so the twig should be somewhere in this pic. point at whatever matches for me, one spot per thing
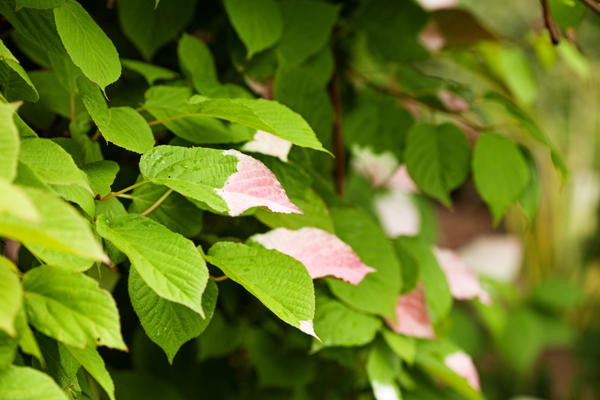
(219, 278)
(158, 202)
(338, 138)
(554, 36)
(592, 4)
(127, 189)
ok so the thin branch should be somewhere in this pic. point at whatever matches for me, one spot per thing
(158, 202)
(554, 35)
(219, 278)
(592, 4)
(338, 138)
(127, 189)
(96, 136)
(171, 118)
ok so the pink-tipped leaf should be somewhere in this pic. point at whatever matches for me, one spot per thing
(463, 282)
(462, 364)
(412, 318)
(254, 185)
(266, 143)
(321, 252)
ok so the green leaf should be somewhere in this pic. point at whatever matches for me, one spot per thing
(27, 341)
(170, 104)
(567, 14)
(65, 71)
(151, 73)
(60, 364)
(193, 172)
(279, 281)
(14, 80)
(169, 324)
(307, 26)
(101, 175)
(128, 129)
(42, 4)
(53, 96)
(197, 64)
(383, 366)
(51, 163)
(9, 141)
(339, 325)
(93, 101)
(259, 23)
(404, 346)
(16, 203)
(378, 292)
(88, 46)
(61, 228)
(11, 296)
(168, 262)
(94, 365)
(264, 115)
(70, 307)
(24, 383)
(531, 196)
(437, 159)
(175, 212)
(150, 26)
(314, 213)
(437, 291)
(500, 171)
(8, 350)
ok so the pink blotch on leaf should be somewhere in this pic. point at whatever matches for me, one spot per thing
(378, 167)
(411, 315)
(266, 143)
(254, 185)
(462, 365)
(461, 279)
(400, 179)
(397, 213)
(321, 252)
(308, 328)
(437, 4)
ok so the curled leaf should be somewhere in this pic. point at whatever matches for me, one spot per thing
(254, 185)
(462, 281)
(411, 315)
(321, 252)
(462, 364)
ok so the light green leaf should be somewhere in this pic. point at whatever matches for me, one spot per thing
(8, 350)
(53, 97)
(264, 115)
(94, 365)
(307, 26)
(60, 364)
(339, 325)
(279, 281)
(170, 104)
(16, 203)
(383, 366)
(437, 159)
(88, 46)
(11, 296)
(128, 129)
(175, 212)
(65, 71)
(193, 172)
(61, 228)
(71, 307)
(150, 25)
(14, 80)
(531, 196)
(258, 23)
(169, 324)
(101, 175)
(151, 73)
(500, 171)
(51, 163)
(197, 64)
(437, 291)
(93, 101)
(404, 346)
(27, 341)
(9, 141)
(378, 292)
(168, 262)
(24, 383)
